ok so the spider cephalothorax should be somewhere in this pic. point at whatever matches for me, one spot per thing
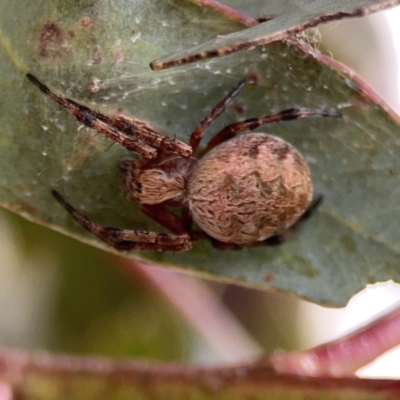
(242, 191)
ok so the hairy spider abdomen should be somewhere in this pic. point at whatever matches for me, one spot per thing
(249, 188)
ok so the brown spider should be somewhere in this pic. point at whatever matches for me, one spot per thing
(242, 191)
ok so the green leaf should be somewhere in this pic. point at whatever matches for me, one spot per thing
(98, 54)
(283, 19)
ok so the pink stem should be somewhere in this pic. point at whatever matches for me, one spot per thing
(228, 12)
(343, 357)
(5, 391)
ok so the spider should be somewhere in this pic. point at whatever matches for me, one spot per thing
(241, 190)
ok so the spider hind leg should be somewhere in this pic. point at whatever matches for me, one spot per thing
(125, 239)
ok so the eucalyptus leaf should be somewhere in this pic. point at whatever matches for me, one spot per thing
(98, 53)
(282, 19)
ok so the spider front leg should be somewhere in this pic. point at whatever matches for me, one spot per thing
(198, 133)
(132, 126)
(133, 134)
(253, 123)
(124, 239)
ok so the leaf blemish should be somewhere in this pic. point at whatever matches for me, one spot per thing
(52, 42)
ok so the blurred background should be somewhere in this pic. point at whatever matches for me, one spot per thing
(61, 295)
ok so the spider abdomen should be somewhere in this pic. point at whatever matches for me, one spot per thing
(249, 188)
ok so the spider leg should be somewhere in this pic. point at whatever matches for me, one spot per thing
(253, 123)
(198, 133)
(119, 129)
(201, 235)
(217, 244)
(160, 214)
(136, 127)
(124, 239)
(187, 219)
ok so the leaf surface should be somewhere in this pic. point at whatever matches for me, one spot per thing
(282, 19)
(98, 54)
